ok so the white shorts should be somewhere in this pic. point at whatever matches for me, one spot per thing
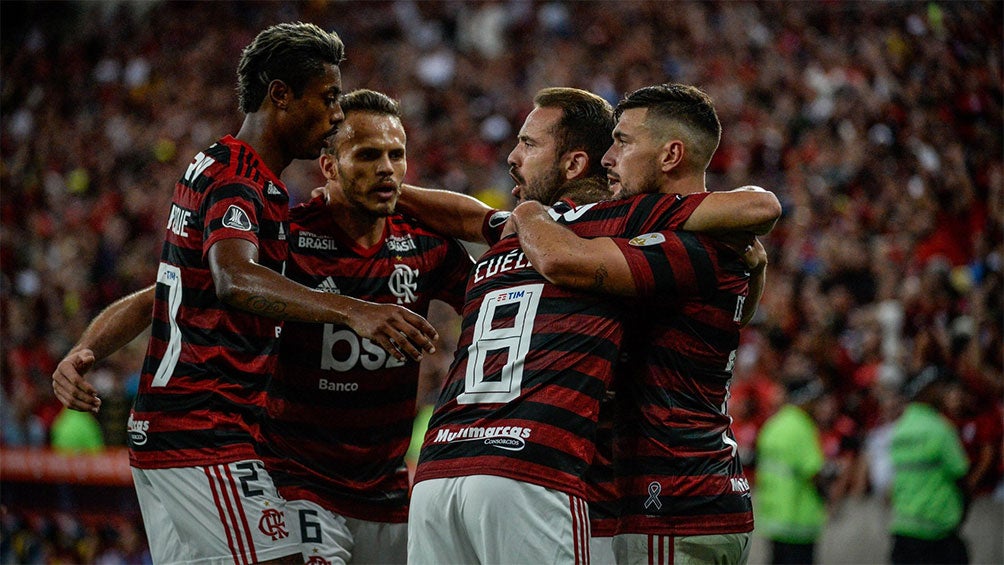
(488, 519)
(324, 536)
(601, 550)
(378, 543)
(339, 539)
(228, 513)
(725, 549)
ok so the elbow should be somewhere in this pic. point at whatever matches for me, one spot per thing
(768, 212)
(559, 271)
(227, 286)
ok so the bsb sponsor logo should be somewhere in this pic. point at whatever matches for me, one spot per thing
(343, 351)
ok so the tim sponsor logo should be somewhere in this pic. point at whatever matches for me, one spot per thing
(509, 438)
(739, 484)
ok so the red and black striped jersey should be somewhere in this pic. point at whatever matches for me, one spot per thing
(676, 457)
(601, 486)
(533, 361)
(202, 388)
(341, 409)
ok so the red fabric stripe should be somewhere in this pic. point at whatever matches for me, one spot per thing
(241, 557)
(583, 518)
(222, 514)
(576, 534)
(239, 502)
(671, 554)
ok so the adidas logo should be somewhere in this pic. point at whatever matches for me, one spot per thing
(272, 190)
(328, 285)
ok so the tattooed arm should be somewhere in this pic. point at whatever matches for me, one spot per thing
(243, 283)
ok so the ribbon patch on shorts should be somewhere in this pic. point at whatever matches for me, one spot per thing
(654, 490)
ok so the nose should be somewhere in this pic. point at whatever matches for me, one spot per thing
(337, 116)
(609, 160)
(511, 160)
(384, 166)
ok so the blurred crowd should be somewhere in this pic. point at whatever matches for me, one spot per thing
(877, 124)
(64, 538)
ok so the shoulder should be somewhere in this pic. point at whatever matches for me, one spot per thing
(305, 212)
(407, 226)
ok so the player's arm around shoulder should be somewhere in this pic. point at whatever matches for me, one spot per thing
(748, 208)
(566, 259)
(449, 213)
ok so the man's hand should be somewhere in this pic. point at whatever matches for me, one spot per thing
(399, 331)
(755, 256)
(70, 386)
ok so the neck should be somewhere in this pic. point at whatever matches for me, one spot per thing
(256, 132)
(689, 184)
(363, 228)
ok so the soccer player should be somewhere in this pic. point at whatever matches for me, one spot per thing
(683, 493)
(220, 298)
(341, 411)
(501, 474)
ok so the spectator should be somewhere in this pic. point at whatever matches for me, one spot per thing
(928, 503)
(74, 431)
(878, 123)
(791, 476)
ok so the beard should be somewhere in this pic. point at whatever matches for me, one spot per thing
(644, 184)
(545, 188)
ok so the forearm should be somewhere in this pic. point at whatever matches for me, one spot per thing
(259, 290)
(118, 324)
(748, 209)
(566, 259)
(449, 213)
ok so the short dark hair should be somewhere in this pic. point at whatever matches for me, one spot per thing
(291, 52)
(683, 106)
(586, 124)
(365, 100)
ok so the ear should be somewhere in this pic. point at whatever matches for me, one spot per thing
(672, 155)
(329, 166)
(574, 164)
(279, 93)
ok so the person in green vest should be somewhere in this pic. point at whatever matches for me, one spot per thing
(929, 463)
(76, 432)
(790, 473)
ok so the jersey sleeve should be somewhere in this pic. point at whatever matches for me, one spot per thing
(661, 212)
(664, 262)
(231, 211)
(493, 225)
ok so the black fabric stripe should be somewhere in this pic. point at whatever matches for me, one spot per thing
(676, 506)
(705, 274)
(185, 257)
(192, 439)
(250, 381)
(721, 339)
